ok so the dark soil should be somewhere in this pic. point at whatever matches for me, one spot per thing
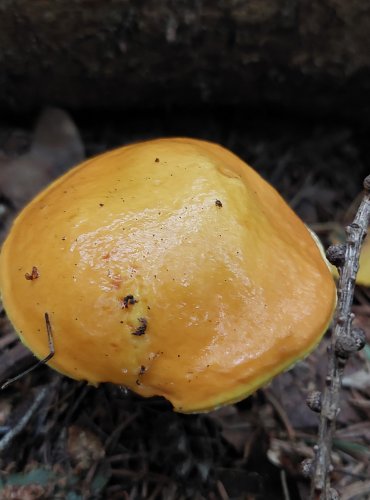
(87, 443)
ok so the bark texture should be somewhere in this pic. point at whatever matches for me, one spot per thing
(129, 53)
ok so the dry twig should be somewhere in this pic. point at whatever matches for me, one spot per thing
(345, 341)
(18, 428)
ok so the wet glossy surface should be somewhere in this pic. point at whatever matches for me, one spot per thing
(229, 286)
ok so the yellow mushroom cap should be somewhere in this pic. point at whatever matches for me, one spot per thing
(170, 267)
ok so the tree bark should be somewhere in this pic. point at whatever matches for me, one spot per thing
(119, 54)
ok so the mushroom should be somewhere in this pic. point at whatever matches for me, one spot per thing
(169, 267)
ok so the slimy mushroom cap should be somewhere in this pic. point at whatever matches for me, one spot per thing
(170, 267)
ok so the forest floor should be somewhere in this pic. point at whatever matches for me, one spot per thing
(81, 442)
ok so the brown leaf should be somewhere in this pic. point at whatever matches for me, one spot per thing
(84, 447)
(56, 147)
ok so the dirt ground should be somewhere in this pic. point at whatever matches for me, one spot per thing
(85, 443)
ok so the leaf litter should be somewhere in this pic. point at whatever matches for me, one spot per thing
(87, 443)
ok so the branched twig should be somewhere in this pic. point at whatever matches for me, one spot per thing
(345, 340)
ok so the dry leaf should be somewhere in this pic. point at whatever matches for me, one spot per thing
(84, 447)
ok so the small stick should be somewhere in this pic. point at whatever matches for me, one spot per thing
(6, 440)
(284, 484)
(41, 361)
(344, 341)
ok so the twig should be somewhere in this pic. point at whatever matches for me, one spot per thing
(222, 491)
(284, 484)
(41, 361)
(345, 340)
(280, 413)
(6, 440)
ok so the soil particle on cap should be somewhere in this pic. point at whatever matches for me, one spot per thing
(33, 275)
(129, 300)
(218, 203)
(140, 330)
